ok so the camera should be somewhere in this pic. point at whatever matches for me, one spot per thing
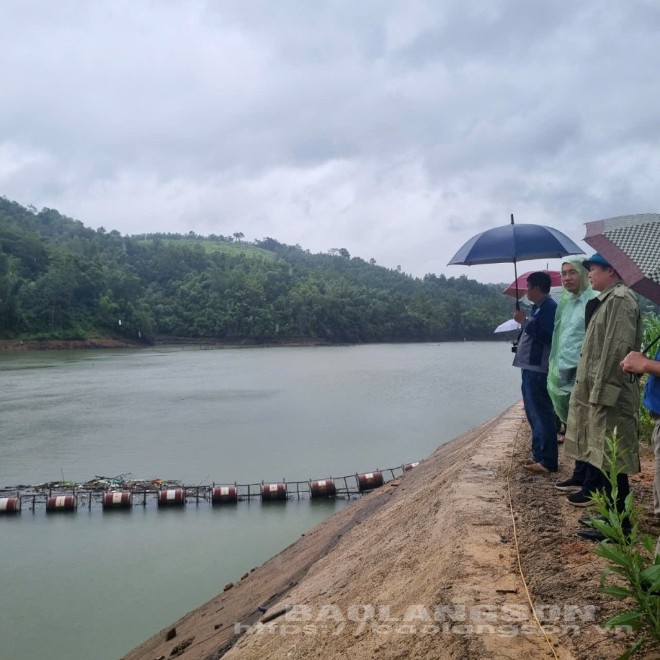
(514, 346)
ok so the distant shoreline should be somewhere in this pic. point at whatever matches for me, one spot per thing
(18, 345)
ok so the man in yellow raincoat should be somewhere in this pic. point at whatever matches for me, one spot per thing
(604, 397)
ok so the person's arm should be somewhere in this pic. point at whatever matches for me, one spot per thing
(638, 363)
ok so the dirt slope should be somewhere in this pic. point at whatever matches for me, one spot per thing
(425, 567)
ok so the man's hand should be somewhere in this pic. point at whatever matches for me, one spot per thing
(636, 363)
(519, 316)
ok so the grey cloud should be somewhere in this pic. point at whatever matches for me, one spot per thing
(392, 129)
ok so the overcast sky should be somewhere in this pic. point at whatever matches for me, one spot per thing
(396, 130)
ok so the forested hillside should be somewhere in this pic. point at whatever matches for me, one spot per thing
(62, 280)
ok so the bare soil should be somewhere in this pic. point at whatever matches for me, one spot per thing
(444, 562)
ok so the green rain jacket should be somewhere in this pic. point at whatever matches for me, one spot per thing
(567, 339)
(604, 396)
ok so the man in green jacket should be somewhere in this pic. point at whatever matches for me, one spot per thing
(604, 397)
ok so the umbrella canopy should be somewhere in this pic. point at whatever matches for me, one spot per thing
(519, 285)
(631, 243)
(513, 243)
(507, 326)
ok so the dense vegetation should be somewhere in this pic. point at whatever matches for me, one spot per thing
(62, 280)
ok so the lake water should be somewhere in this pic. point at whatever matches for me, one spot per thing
(93, 584)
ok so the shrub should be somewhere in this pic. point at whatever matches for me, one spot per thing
(632, 558)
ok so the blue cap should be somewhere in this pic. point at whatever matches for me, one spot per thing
(598, 259)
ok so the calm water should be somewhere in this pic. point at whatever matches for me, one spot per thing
(93, 585)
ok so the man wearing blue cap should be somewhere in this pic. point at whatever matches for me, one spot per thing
(604, 397)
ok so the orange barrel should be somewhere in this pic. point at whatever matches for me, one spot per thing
(322, 488)
(273, 491)
(118, 500)
(409, 466)
(10, 505)
(224, 494)
(369, 480)
(61, 503)
(172, 497)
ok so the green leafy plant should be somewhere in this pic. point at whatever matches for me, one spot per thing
(632, 559)
(650, 329)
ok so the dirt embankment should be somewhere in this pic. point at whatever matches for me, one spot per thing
(429, 566)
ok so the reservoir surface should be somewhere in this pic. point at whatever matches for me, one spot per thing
(93, 584)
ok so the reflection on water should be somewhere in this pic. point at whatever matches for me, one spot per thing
(95, 584)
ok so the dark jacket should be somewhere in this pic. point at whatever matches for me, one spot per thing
(536, 339)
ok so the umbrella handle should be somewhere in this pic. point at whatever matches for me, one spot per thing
(515, 276)
(651, 345)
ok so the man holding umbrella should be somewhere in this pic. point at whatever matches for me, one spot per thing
(532, 354)
(514, 243)
(604, 397)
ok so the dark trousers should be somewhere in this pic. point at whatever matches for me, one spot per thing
(595, 480)
(580, 471)
(541, 417)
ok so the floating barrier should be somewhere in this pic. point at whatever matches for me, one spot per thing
(224, 495)
(121, 492)
(272, 492)
(369, 480)
(118, 500)
(322, 488)
(172, 497)
(10, 505)
(59, 503)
